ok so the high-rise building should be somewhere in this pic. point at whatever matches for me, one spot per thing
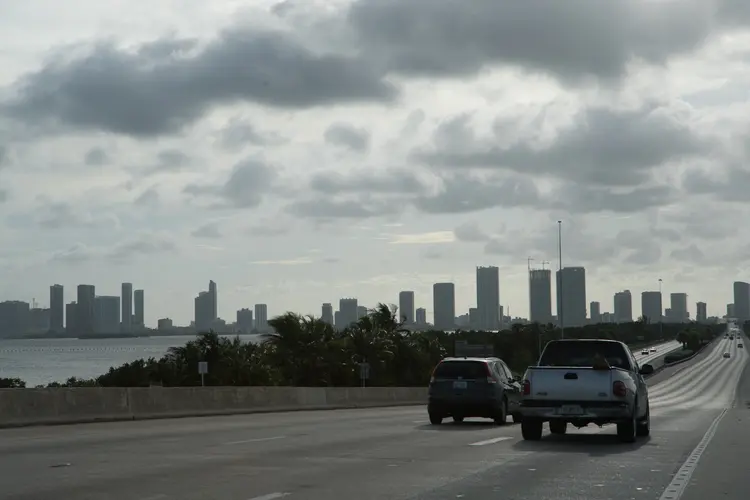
(56, 309)
(107, 314)
(261, 318)
(701, 314)
(406, 307)
(205, 309)
(595, 312)
(678, 308)
(571, 296)
(214, 299)
(126, 292)
(420, 316)
(139, 319)
(327, 313)
(730, 311)
(488, 297)
(444, 306)
(651, 307)
(348, 308)
(361, 311)
(86, 320)
(623, 307)
(540, 296)
(742, 301)
(71, 315)
(245, 320)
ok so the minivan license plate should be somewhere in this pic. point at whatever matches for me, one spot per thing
(571, 410)
(459, 384)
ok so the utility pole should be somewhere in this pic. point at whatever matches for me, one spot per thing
(661, 312)
(560, 313)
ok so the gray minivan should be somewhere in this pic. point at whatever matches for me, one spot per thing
(473, 387)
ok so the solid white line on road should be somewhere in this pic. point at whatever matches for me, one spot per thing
(270, 496)
(676, 488)
(256, 440)
(491, 441)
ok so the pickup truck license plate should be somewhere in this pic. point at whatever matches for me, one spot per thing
(570, 410)
(459, 384)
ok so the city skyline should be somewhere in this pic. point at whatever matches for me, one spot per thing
(403, 158)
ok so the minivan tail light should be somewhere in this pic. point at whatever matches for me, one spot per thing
(619, 389)
(527, 387)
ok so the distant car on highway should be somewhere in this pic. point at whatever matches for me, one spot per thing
(644, 352)
(473, 387)
(739, 346)
(653, 349)
(726, 354)
(583, 382)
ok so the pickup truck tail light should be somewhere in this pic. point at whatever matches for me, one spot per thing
(527, 387)
(432, 377)
(490, 378)
(619, 389)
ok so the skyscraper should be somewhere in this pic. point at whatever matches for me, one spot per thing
(214, 299)
(261, 318)
(327, 313)
(651, 307)
(623, 307)
(540, 296)
(488, 297)
(571, 296)
(679, 308)
(349, 312)
(139, 316)
(701, 314)
(595, 312)
(444, 306)
(406, 307)
(126, 299)
(85, 310)
(741, 301)
(56, 308)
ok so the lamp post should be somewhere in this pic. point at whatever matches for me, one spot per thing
(560, 313)
(661, 312)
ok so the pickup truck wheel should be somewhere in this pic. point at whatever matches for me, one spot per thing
(644, 426)
(626, 431)
(531, 430)
(558, 427)
(435, 419)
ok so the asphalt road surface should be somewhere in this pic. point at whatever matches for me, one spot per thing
(393, 453)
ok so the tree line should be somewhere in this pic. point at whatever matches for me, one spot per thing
(306, 351)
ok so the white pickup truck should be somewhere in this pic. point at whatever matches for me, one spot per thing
(583, 382)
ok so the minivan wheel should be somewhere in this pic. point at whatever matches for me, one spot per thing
(531, 430)
(458, 420)
(435, 419)
(502, 416)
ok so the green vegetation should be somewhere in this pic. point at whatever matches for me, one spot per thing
(305, 351)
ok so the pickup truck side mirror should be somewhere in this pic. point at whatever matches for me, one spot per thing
(647, 369)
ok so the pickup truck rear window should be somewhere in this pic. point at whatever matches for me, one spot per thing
(470, 370)
(583, 353)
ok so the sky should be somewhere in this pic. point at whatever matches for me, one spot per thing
(301, 151)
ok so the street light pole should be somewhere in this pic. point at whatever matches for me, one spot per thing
(560, 313)
(661, 312)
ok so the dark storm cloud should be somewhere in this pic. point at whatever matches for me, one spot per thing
(602, 146)
(569, 40)
(463, 194)
(246, 186)
(729, 186)
(366, 180)
(96, 157)
(578, 198)
(347, 136)
(163, 86)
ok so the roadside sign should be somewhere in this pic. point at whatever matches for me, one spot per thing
(364, 372)
(203, 369)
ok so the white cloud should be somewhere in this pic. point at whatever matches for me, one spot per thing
(225, 140)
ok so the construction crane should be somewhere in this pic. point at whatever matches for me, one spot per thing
(528, 262)
(544, 262)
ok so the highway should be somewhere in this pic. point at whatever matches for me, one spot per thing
(393, 453)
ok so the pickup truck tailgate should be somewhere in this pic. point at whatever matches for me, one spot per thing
(561, 383)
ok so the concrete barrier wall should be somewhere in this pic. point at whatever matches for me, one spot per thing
(24, 407)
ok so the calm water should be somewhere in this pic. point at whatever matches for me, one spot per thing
(55, 360)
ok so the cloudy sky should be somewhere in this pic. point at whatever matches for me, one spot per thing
(301, 151)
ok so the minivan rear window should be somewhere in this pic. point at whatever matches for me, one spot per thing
(578, 353)
(461, 369)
